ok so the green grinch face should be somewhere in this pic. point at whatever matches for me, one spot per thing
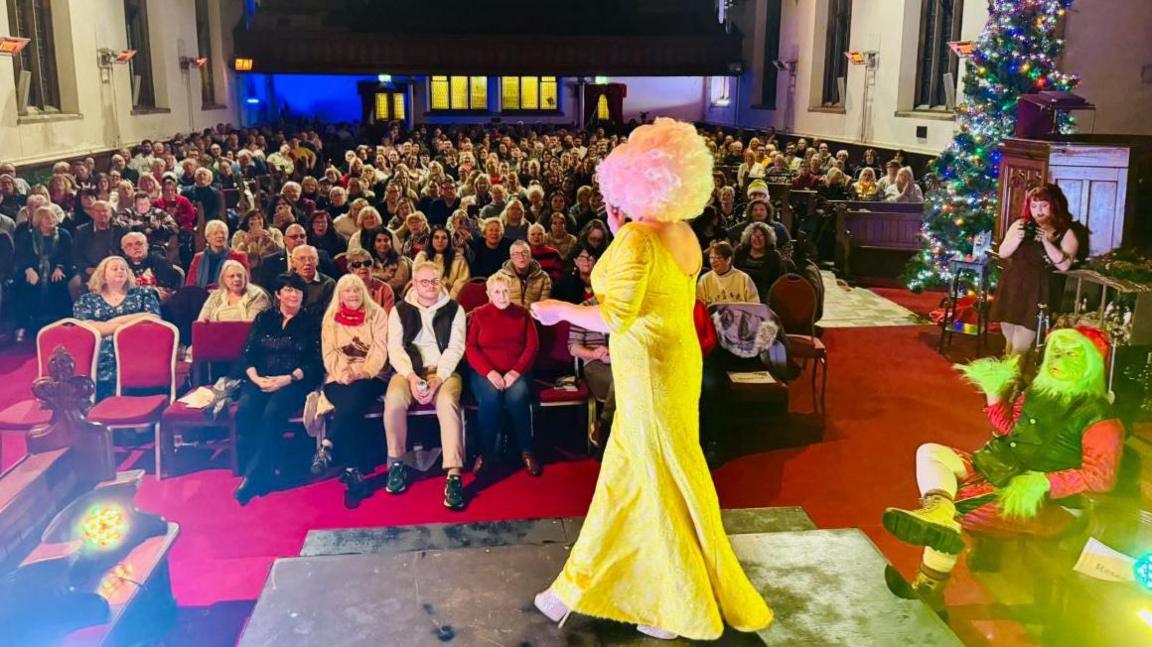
(1072, 365)
(1065, 360)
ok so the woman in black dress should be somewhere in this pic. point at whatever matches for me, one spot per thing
(1041, 241)
(282, 364)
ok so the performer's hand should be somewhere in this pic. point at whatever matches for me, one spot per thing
(1023, 496)
(993, 376)
(549, 312)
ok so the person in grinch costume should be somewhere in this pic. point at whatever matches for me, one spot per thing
(1056, 439)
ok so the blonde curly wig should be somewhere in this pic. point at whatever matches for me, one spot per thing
(663, 172)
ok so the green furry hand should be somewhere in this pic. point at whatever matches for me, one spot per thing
(991, 375)
(1023, 496)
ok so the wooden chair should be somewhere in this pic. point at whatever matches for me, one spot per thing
(145, 361)
(793, 299)
(213, 343)
(82, 342)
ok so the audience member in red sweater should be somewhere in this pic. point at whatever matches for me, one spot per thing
(548, 257)
(501, 348)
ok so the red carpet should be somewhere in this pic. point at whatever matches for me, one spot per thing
(888, 393)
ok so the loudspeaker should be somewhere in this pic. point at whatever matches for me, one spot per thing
(949, 90)
(921, 132)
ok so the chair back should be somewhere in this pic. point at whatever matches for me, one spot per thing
(231, 198)
(793, 299)
(553, 357)
(341, 263)
(219, 341)
(146, 356)
(473, 294)
(80, 339)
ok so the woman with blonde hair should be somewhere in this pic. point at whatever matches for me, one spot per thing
(904, 189)
(367, 220)
(113, 302)
(865, 187)
(348, 224)
(414, 235)
(205, 269)
(354, 347)
(515, 224)
(653, 551)
(237, 298)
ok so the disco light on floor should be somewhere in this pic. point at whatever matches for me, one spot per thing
(104, 526)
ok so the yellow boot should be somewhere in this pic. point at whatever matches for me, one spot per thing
(933, 524)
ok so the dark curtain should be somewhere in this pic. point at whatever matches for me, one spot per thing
(614, 92)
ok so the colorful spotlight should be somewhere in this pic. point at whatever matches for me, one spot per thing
(104, 526)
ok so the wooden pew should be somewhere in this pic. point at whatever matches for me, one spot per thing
(878, 229)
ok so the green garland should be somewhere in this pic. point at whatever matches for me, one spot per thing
(1124, 264)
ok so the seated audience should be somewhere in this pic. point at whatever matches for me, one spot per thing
(805, 179)
(515, 224)
(323, 236)
(354, 345)
(206, 265)
(558, 235)
(426, 341)
(184, 214)
(153, 222)
(723, 283)
(256, 240)
(349, 223)
(236, 299)
(318, 287)
(463, 230)
(280, 261)
(150, 269)
(368, 220)
(760, 211)
(834, 185)
(501, 349)
(93, 243)
(413, 235)
(575, 286)
(391, 266)
(547, 256)
(113, 302)
(595, 235)
(491, 251)
(865, 187)
(337, 206)
(893, 168)
(360, 263)
(758, 257)
(453, 266)
(592, 348)
(529, 281)
(281, 365)
(43, 266)
(904, 189)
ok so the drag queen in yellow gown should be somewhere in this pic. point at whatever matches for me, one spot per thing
(652, 550)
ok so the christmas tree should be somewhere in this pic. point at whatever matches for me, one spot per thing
(1015, 54)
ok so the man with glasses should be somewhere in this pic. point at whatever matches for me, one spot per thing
(276, 263)
(426, 337)
(530, 283)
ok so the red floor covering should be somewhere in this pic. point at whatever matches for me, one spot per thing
(889, 391)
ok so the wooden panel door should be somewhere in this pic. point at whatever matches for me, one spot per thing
(1096, 199)
(1023, 166)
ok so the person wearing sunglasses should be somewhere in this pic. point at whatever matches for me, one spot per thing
(360, 263)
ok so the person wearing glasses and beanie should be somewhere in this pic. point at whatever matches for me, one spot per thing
(426, 341)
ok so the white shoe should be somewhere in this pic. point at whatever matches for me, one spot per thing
(656, 633)
(551, 606)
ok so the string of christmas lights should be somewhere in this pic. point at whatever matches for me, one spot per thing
(1015, 54)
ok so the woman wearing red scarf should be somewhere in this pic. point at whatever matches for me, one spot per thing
(353, 343)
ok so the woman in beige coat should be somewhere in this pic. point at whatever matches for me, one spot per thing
(353, 343)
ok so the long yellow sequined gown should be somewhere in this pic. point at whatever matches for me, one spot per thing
(652, 549)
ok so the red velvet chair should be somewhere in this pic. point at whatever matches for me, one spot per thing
(472, 295)
(82, 342)
(794, 300)
(145, 361)
(552, 361)
(213, 343)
